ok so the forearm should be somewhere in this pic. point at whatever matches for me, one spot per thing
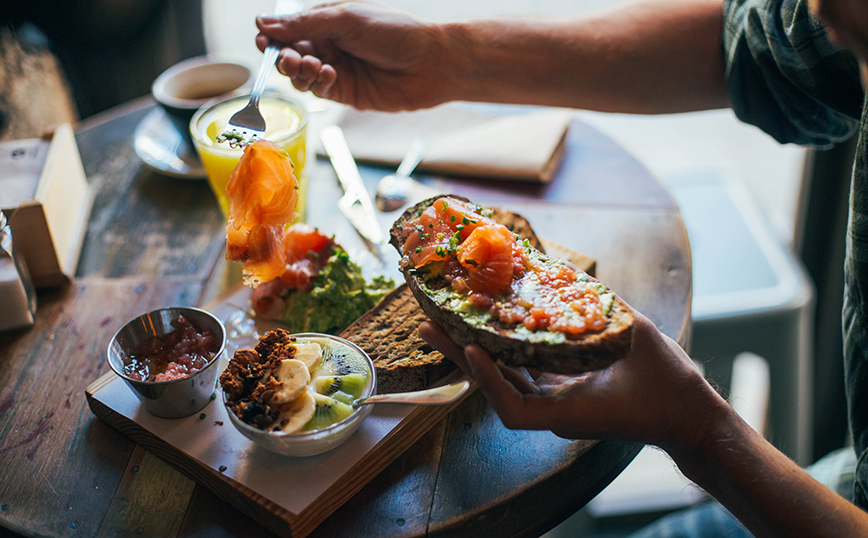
(652, 57)
(763, 488)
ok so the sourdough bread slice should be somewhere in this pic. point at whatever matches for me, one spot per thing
(388, 334)
(511, 345)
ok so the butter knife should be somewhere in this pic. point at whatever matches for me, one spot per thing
(355, 204)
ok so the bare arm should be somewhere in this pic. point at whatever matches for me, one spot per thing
(649, 57)
(655, 395)
(656, 56)
(765, 490)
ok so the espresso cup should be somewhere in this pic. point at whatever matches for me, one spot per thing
(183, 88)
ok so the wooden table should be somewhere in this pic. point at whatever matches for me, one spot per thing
(154, 241)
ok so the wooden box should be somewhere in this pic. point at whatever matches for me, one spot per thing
(44, 193)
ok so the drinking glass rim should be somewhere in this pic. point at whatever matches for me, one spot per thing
(296, 105)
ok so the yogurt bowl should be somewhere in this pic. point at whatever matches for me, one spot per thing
(340, 374)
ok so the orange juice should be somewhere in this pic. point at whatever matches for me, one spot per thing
(286, 126)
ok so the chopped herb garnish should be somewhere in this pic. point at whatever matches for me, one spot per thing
(416, 272)
(202, 415)
(418, 250)
(213, 396)
(445, 206)
(452, 218)
(236, 139)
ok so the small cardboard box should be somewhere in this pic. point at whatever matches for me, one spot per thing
(45, 196)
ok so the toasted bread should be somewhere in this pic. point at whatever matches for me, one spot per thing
(515, 346)
(388, 333)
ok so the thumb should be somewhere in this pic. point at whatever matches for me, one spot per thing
(311, 25)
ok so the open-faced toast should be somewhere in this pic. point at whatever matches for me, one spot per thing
(484, 301)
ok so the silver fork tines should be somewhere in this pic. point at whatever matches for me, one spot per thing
(247, 125)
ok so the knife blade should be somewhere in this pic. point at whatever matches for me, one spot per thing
(355, 204)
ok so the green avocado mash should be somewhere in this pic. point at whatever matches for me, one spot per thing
(341, 295)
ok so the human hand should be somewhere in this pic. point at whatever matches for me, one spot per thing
(360, 54)
(654, 394)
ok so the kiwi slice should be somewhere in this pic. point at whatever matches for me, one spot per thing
(328, 411)
(352, 384)
(342, 396)
(340, 361)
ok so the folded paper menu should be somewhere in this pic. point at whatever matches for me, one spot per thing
(527, 146)
(44, 193)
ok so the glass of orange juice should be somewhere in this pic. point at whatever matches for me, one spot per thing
(286, 126)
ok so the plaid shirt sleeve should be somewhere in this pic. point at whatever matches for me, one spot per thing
(785, 77)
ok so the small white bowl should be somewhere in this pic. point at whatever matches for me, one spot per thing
(319, 441)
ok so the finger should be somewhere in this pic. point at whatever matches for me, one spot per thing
(310, 67)
(325, 82)
(510, 404)
(519, 380)
(304, 48)
(435, 336)
(289, 62)
(262, 42)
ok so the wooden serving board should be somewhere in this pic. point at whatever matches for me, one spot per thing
(288, 495)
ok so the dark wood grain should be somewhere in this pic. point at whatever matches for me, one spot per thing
(154, 241)
(143, 223)
(150, 486)
(394, 504)
(61, 465)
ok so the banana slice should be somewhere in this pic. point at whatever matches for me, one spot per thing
(294, 377)
(309, 353)
(294, 416)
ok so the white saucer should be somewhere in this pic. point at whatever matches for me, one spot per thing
(162, 147)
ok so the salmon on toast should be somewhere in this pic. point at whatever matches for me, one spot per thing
(485, 284)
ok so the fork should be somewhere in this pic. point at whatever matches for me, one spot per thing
(247, 125)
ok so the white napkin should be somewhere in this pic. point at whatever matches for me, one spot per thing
(525, 146)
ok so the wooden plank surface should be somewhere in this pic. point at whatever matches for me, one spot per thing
(61, 465)
(143, 223)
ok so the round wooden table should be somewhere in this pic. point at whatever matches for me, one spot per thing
(154, 241)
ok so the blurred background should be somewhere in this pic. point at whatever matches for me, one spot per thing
(754, 209)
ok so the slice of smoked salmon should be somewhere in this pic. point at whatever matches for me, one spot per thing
(303, 241)
(489, 255)
(265, 259)
(435, 235)
(307, 252)
(263, 193)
